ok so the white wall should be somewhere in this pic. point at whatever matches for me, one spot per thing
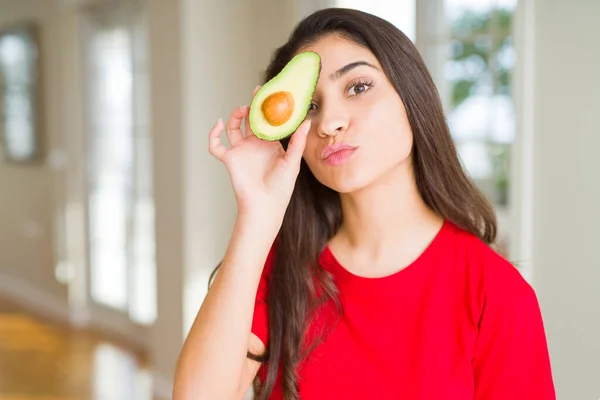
(564, 107)
(166, 85)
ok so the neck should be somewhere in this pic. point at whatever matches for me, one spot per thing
(386, 213)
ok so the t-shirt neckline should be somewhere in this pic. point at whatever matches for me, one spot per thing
(349, 281)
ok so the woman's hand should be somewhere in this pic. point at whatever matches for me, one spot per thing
(262, 173)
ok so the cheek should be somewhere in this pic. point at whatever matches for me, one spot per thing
(389, 144)
(389, 132)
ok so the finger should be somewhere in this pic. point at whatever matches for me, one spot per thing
(255, 90)
(297, 144)
(234, 133)
(215, 147)
(247, 128)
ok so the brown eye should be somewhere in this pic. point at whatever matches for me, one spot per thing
(358, 88)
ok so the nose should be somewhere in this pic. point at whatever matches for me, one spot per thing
(333, 122)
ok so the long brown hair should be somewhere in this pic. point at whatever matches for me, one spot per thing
(314, 213)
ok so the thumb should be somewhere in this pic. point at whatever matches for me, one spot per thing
(297, 144)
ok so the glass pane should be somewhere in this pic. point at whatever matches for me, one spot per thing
(143, 300)
(18, 54)
(110, 161)
(120, 164)
(18, 126)
(480, 60)
(108, 263)
(143, 281)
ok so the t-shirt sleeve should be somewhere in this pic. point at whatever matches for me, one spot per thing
(511, 359)
(260, 320)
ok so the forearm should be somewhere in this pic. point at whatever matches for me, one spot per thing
(215, 349)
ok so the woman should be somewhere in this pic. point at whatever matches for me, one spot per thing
(368, 273)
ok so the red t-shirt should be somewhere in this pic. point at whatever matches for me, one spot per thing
(459, 323)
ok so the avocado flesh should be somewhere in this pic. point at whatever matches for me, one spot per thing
(287, 98)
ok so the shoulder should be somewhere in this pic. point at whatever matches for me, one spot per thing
(495, 275)
(509, 352)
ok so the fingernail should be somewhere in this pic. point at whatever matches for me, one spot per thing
(256, 88)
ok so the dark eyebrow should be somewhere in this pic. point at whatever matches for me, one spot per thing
(347, 68)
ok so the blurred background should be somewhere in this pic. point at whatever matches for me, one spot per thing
(113, 213)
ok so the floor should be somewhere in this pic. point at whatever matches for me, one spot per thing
(40, 360)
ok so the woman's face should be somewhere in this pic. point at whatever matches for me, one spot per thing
(357, 109)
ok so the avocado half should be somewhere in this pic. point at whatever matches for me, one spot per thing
(281, 104)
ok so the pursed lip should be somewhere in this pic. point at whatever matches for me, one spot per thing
(329, 150)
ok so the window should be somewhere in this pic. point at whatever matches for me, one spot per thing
(19, 93)
(478, 68)
(119, 150)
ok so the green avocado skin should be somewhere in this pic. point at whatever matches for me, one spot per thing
(299, 77)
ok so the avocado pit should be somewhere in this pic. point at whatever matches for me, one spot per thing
(278, 108)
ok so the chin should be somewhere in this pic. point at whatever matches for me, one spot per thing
(343, 182)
